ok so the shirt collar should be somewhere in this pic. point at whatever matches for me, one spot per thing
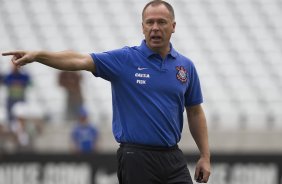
(148, 52)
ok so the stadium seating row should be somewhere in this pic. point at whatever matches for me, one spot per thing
(235, 45)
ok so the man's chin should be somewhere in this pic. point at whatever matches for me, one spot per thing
(155, 46)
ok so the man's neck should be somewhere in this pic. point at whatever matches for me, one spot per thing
(163, 52)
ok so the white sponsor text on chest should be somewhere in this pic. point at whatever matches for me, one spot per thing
(143, 76)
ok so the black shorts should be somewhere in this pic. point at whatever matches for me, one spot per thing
(138, 164)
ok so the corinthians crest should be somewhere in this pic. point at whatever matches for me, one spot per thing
(181, 74)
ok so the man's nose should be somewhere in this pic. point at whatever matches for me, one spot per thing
(155, 26)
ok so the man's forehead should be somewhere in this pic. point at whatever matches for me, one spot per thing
(157, 12)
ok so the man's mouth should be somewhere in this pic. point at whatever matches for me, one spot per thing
(156, 38)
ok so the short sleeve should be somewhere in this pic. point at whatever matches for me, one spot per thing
(109, 64)
(193, 95)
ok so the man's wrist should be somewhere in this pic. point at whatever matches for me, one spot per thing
(206, 156)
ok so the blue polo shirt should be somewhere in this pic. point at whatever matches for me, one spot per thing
(148, 93)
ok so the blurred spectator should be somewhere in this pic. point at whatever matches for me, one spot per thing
(16, 82)
(19, 128)
(71, 82)
(84, 135)
(26, 125)
(7, 138)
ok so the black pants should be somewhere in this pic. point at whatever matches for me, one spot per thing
(152, 165)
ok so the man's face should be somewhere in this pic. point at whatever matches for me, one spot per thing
(158, 25)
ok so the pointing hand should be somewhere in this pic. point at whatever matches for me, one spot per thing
(20, 58)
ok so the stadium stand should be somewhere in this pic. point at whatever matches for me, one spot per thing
(236, 46)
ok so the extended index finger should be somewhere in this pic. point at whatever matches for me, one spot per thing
(10, 53)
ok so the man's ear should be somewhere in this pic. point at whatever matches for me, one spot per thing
(173, 25)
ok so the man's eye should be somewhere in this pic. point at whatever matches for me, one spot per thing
(162, 22)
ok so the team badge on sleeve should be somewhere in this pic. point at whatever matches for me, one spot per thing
(181, 74)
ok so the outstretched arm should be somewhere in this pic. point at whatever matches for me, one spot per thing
(64, 60)
(198, 129)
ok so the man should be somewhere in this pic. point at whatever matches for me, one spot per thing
(17, 83)
(84, 135)
(151, 85)
(71, 82)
